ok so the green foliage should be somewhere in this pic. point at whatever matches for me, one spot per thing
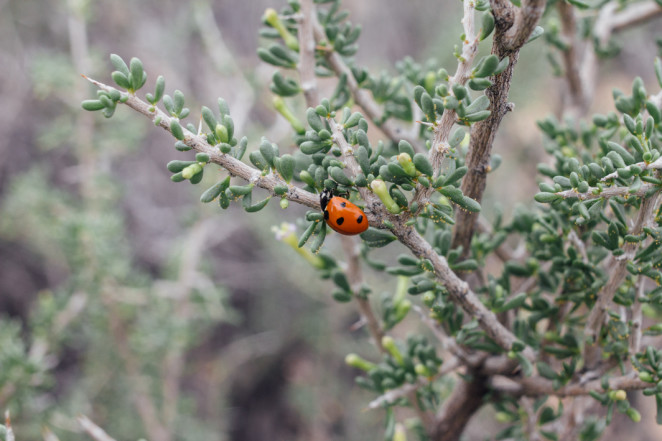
(596, 219)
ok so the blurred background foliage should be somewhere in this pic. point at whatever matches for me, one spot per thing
(124, 298)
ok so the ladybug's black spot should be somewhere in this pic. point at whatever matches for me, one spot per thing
(340, 220)
(359, 219)
(326, 215)
(343, 204)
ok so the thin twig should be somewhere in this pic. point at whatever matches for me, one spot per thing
(636, 331)
(539, 386)
(635, 14)
(145, 407)
(618, 272)
(362, 97)
(531, 422)
(503, 251)
(9, 434)
(606, 193)
(447, 343)
(575, 94)
(611, 20)
(458, 289)
(231, 164)
(307, 54)
(655, 165)
(442, 131)
(96, 432)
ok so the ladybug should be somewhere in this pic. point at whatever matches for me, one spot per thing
(341, 215)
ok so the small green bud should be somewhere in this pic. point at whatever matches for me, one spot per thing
(191, 171)
(271, 17)
(221, 133)
(389, 344)
(284, 203)
(617, 395)
(378, 186)
(281, 107)
(406, 163)
(356, 361)
(646, 376)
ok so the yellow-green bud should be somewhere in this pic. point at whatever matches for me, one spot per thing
(406, 163)
(429, 81)
(379, 187)
(281, 107)
(286, 234)
(617, 395)
(284, 203)
(221, 133)
(646, 376)
(503, 417)
(422, 370)
(356, 361)
(271, 17)
(389, 344)
(400, 433)
(191, 171)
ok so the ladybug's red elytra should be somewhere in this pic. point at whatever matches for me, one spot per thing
(341, 215)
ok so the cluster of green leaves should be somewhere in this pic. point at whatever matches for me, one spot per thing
(403, 362)
(606, 154)
(614, 151)
(23, 375)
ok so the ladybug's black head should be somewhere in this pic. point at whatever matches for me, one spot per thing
(325, 197)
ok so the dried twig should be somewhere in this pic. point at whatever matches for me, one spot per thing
(575, 93)
(635, 336)
(307, 54)
(512, 30)
(96, 432)
(9, 434)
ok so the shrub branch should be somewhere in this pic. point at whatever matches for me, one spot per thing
(231, 164)
(512, 30)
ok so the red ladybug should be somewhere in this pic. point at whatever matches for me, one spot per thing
(341, 215)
